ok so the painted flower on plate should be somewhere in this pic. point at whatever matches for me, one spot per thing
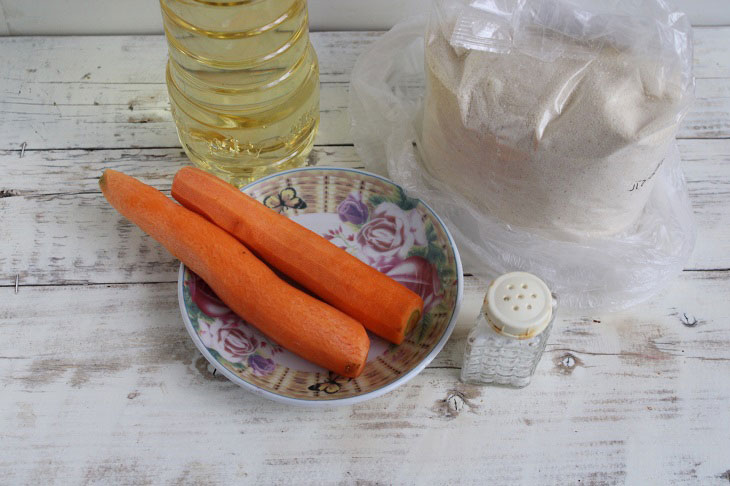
(419, 275)
(228, 339)
(261, 366)
(390, 234)
(206, 300)
(352, 209)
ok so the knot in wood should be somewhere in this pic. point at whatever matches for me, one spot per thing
(455, 402)
(688, 320)
(568, 361)
(207, 370)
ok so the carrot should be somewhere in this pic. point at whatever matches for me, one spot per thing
(297, 321)
(381, 304)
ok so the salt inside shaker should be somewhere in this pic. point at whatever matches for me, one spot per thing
(511, 332)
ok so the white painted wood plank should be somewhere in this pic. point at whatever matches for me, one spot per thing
(109, 92)
(43, 172)
(710, 113)
(4, 27)
(383, 14)
(103, 17)
(76, 236)
(141, 59)
(57, 228)
(711, 58)
(705, 164)
(102, 385)
(138, 115)
(122, 116)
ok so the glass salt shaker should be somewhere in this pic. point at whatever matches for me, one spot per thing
(511, 332)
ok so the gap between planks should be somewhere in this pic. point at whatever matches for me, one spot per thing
(172, 147)
(16, 283)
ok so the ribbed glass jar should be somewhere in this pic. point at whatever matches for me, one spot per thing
(243, 81)
(491, 358)
(508, 340)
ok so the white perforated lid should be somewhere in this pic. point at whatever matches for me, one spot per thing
(519, 305)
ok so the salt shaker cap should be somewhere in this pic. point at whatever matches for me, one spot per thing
(518, 304)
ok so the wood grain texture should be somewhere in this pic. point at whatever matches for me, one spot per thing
(43, 172)
(100, 384)
(4, 26)
(71, 93)
(57, 227)
(91, 397)
(110, 93)
(107, 17)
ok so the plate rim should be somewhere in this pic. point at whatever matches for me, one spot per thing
(334, 402)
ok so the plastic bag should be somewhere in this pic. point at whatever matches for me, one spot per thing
(586, 268)
(550, 116)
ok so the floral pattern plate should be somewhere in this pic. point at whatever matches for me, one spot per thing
(373, 219)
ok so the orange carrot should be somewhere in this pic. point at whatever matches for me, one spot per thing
(295, 320)
(381, 304)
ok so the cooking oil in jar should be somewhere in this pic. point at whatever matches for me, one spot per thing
(243, 80)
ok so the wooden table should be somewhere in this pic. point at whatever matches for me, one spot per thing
(100, 383)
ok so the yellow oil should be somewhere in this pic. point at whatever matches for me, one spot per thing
(243, 81)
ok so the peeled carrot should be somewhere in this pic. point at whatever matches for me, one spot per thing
(381, 304)
(297, 321)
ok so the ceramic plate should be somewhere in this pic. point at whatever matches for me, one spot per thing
(373, 219)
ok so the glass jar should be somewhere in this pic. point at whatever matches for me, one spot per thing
(511, 332)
